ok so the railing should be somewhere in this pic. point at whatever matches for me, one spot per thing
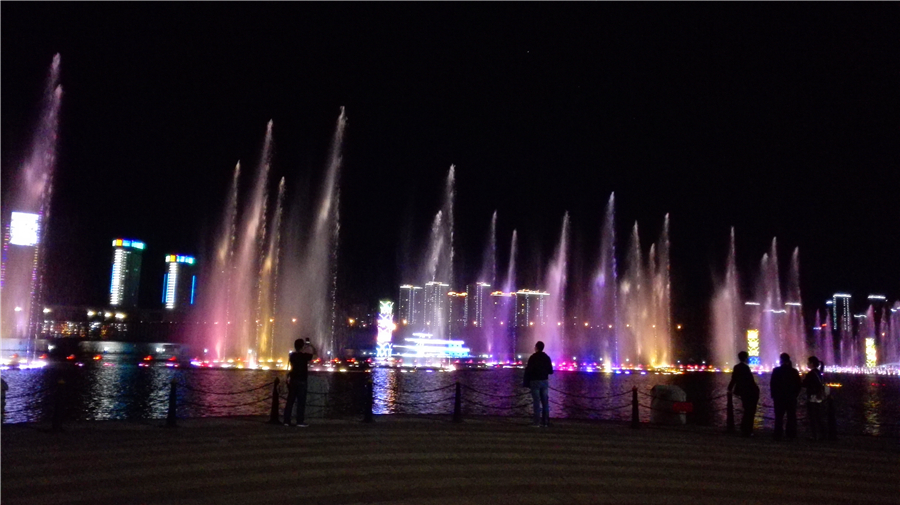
(457, 397)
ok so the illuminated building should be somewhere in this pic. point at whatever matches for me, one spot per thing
(753, 347)
(459, 312)
(386, 327)
(478, 304)
(437, 317)
(530, 307)
(410, 310)
(179, 282)
(18, 275)
(423, 348)
(126, 272)
(871, 354)
(841, 316)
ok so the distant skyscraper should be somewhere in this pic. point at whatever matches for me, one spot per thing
(478, 304)
(437, 317)
(410, 310)
(126, 273)
(179, 282)
(530, 307)
(840, 313)
(459, 312)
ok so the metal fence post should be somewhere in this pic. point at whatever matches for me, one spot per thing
(457, 404)
(729, 417)
(635, 419)
(170, 418)
(273, 414)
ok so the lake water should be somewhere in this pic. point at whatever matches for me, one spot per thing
(126, 391)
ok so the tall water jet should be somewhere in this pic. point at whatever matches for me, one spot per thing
(772, 317)
(661, 326)
(633, 307)
(268, 282)
(489, 336)
(504, 320)
(216, 302)
(892, 348)
(794, 341)
(726, 314)
(828, 339)
(26, 216)
(312, 296)
(552, 332)
(437, 269)
(244, 302)
(605, 293)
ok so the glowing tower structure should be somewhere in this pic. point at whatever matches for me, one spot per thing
(179, 282)
(126, 273)
(386, 328)
(840, 312)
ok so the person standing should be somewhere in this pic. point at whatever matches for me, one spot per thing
(815, 398)
(785, 386)
(296, 379)
(537, 373)
(744, 385)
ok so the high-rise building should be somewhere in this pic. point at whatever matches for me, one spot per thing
(478, 304)
(126, 273)
(459, 312)
(410, 309)
(179, 282)
(841, 316)
(437, 317)
(530, 307)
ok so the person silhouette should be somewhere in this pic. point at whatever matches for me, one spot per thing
(744, 385)
(784, 387)
(815, 398)
(537, 370)
(297, 381)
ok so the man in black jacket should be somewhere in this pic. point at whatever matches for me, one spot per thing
(537, 371)
(744, 385)
(785, 386)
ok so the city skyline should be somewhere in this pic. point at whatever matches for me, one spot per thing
(572, 135)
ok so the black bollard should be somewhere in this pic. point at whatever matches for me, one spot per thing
(832, 419)
(635, 419)
(457, 405)
(370, 400)
(170, 418)
(57, 407)
(729, 419)
(273, 414)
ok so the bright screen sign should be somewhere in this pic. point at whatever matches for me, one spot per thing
(23, 229)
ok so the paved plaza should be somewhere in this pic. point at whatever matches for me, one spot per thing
(418, 460)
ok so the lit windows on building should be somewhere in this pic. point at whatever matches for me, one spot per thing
(842, 318)
(126, 272)
(477, 304)
(530, 307)
(179, 282)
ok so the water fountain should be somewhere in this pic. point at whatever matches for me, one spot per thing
(268, 287)
(26, 216)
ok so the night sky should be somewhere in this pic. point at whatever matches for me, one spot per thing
(779, 119)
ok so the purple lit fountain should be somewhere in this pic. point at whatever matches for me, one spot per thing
(26, 215)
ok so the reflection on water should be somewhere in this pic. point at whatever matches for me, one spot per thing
(125, 391)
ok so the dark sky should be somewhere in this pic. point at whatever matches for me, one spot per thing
(778, 119)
